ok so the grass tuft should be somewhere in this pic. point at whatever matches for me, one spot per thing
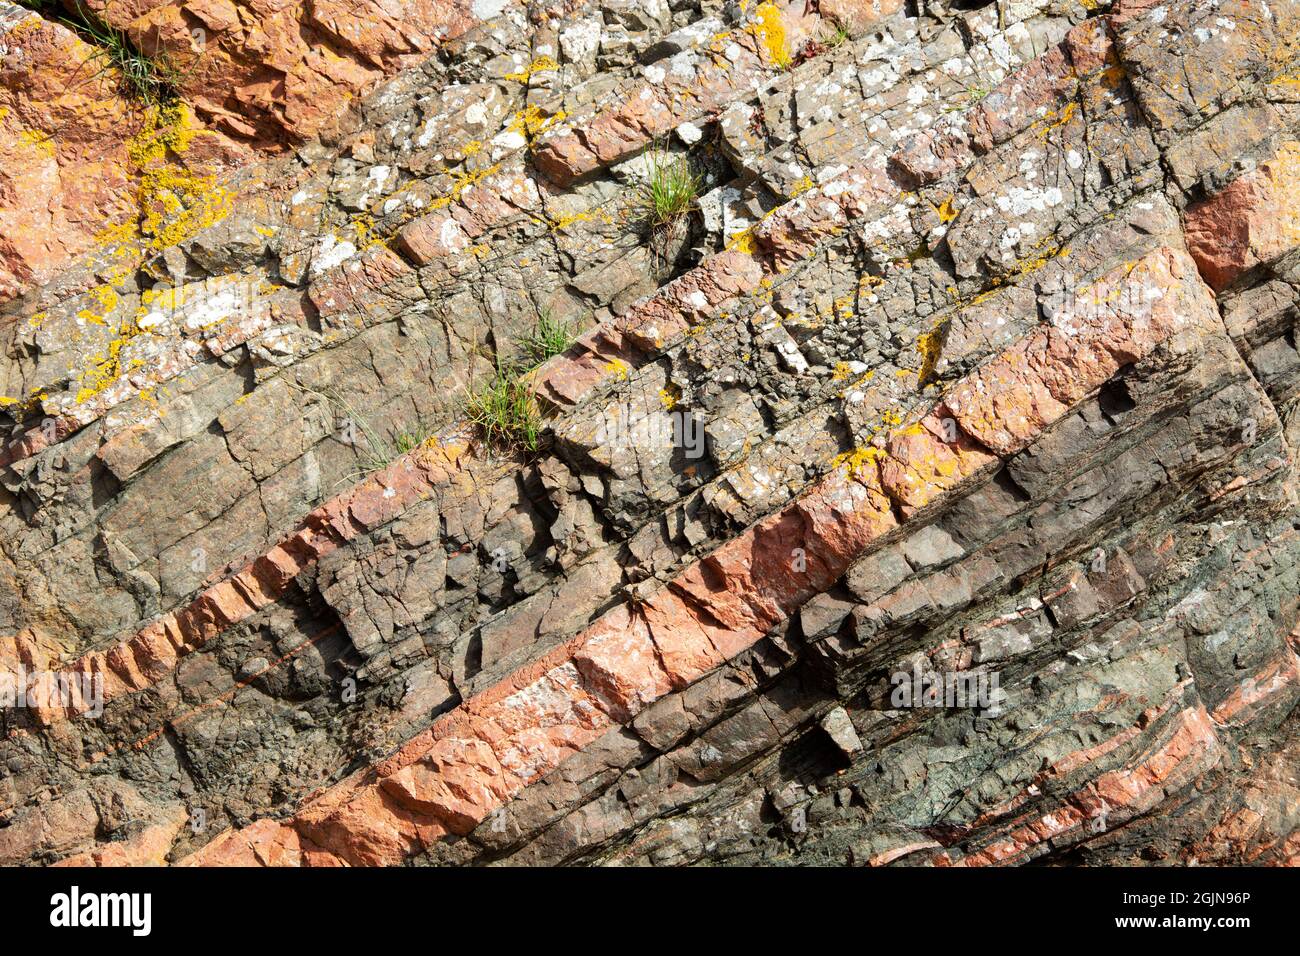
(834, 35)
(670, 190)
(549, 337)
(151, 79)
(972, 96)
(407, 442)
(505, 412)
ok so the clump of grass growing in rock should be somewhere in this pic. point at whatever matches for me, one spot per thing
(379, 453)
(973, 95)
(407, 442)
(153, 80)
(150, 78)
(505, 412)
(548, 338)
(834, 35)
(670, 190)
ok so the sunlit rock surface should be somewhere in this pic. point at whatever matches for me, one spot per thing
(922, 494)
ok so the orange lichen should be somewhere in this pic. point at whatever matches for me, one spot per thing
(1112, 76)
(947, 212)
(1055, 120)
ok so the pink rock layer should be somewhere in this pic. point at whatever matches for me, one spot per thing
(1253, 221)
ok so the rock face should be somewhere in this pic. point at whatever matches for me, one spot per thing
(63, 156)
(923, 495)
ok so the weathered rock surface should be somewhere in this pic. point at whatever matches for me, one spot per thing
(924, 496)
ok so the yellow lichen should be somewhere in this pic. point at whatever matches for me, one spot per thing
(1035, 262)
(122, 233)
(21, 406)
(769, 30)
(564, 222)
(843, 306)
(461, 182)
(947, 212)
(857, 383)
(106, 367)
(542, 64)
(40, 141)
(33, 22)
(530, 122)
(106, 299)
(743, 241)
(175, 203)
(1286, 79)
(1045, 252)
(858, 461)
(929, 345)
(367, 236)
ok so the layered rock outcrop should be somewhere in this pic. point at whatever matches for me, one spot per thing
(923, 496)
